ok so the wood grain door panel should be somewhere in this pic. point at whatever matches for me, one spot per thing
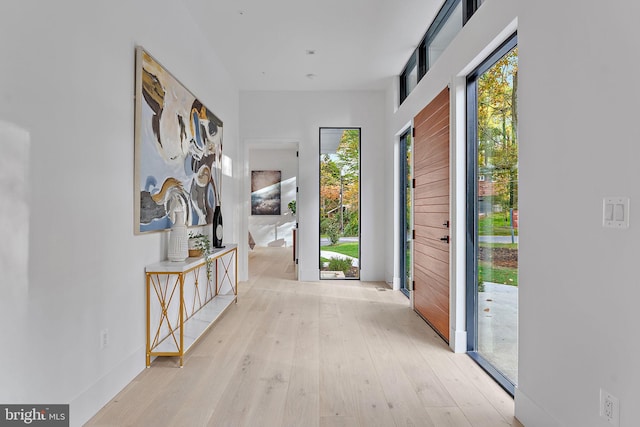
(431, 213)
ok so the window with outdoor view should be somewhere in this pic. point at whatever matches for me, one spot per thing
(339, 203)
(494, 214)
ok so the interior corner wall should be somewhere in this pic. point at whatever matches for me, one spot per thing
(275, 230)
(67, 101)
(298, 116)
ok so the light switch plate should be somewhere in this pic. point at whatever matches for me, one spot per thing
(615, 212)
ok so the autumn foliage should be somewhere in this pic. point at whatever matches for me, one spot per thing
(340, 186)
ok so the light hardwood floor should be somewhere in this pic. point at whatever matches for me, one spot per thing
(329, 353)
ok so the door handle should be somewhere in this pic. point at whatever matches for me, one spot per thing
(445, 239)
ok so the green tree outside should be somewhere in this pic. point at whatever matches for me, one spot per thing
(497, 130)
(340, 188)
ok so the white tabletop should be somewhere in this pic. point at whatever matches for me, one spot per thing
(167, 266)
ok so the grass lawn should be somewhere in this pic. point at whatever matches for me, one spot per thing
(506, 276)
(350, 248)
(497, 224)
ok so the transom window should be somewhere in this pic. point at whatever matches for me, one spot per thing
(448, 22)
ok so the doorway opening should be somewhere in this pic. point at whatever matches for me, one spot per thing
(339, 203)
(272, 187)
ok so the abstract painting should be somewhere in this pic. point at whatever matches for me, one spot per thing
(178, 150)
(265, 192)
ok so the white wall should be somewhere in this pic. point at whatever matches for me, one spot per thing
(297, 116)
(579, 138)
(276, 230)
(66, 88)
(14, 253)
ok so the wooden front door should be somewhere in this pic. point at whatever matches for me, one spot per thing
(431, 213)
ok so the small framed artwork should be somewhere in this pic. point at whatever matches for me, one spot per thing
(265, 192)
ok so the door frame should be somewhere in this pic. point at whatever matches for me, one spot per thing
(249, 145)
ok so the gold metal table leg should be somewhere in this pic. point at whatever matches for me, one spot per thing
(148, 361)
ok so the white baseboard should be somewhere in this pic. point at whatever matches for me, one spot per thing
(305, 275)
(530, 414)
(89, 402)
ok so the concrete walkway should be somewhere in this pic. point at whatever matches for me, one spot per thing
(497, 239)
(328, 255)
(498, 327)
(324, 241)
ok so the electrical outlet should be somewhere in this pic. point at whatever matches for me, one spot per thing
(609, 408)
(104, 338)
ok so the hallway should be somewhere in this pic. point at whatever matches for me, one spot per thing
(330, 353)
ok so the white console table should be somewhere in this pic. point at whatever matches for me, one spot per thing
(183, 301)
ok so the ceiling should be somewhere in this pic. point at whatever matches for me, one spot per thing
(313, 44)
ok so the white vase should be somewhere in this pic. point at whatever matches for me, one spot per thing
(178, 239)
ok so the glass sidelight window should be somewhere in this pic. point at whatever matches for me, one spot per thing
(406, 209)
(339, 203)
(493, 216)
